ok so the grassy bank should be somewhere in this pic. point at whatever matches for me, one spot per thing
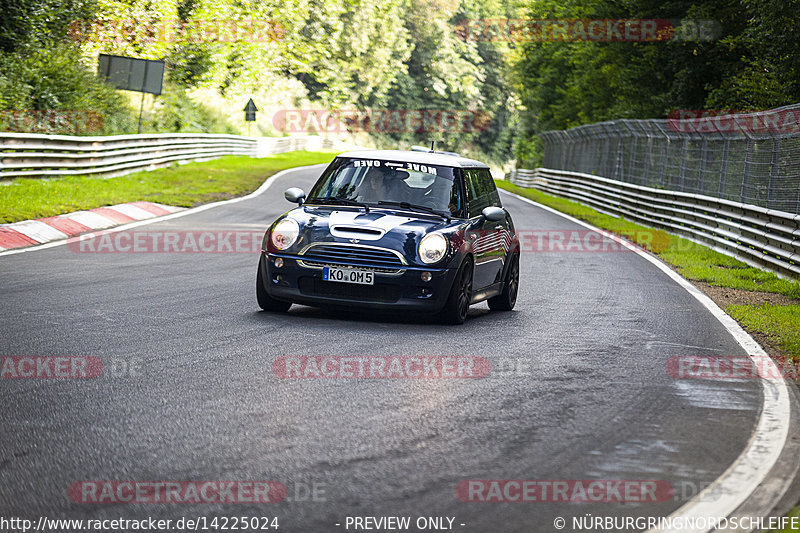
(779, 325)
(779, 322)
(180, 185)
(794, 513)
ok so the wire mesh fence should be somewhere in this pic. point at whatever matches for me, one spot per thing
(752, 158)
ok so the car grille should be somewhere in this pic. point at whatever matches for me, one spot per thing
(352, 255)
(321, 265)
(379, 292)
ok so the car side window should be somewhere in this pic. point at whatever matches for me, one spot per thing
(481, 191)
(490, 188)
(474, 196)
(456, 200)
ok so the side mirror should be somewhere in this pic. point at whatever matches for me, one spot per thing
(295, 195)
(493, 214)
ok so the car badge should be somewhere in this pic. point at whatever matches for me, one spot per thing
(354, 241)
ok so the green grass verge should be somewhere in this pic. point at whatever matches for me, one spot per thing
(180, 185)
(794, 513)
(781, 323)
(778, 322)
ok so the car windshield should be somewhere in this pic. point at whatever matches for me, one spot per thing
(390, 183)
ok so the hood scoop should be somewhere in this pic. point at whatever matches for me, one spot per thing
(361, 226)
(356, 229)
(357, 232)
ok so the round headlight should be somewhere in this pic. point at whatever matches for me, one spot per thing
(285, 233)
(432, 248)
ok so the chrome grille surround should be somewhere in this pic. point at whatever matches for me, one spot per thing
(337, 254)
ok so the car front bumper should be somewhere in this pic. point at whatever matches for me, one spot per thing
(403, 291)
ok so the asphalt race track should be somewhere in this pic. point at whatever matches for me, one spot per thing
(578, 388)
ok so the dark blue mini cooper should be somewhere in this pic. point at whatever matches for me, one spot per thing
(416, 231)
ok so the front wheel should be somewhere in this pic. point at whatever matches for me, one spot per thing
(506, 300)
(265, 301)
(455, 310)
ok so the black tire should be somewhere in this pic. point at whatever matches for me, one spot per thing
(457, 306)
(506, 300)
(265, 301)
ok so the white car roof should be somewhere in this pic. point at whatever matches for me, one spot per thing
(410, 156)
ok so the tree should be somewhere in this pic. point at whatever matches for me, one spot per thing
(752, 61)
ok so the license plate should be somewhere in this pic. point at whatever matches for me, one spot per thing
(348, 275)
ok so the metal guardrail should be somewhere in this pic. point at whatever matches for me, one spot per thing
(761, 237)
(35, 155)
(752, 158)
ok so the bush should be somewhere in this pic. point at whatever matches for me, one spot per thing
(176, 112)
(530, 152)
(54, 91)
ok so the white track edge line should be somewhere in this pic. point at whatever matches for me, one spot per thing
(261, 189)
(751, 467)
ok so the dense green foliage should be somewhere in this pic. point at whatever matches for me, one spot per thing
(57, 79)
(322, 54)
(751, 62)
(41, 71)
(396, 55)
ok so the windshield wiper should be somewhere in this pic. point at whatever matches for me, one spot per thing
(330, 200)
(406, 205)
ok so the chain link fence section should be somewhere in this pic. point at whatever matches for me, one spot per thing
(751, 158)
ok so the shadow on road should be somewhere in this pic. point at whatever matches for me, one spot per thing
(302, 312)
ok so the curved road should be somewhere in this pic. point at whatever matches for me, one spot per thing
(578, 389)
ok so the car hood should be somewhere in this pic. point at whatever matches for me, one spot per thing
(386, 228)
